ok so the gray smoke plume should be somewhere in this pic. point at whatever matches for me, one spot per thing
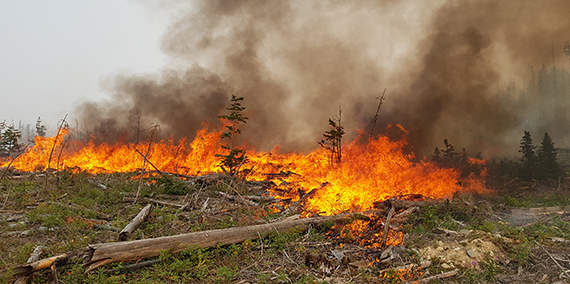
(453, 69)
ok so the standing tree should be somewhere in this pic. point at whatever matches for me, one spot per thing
(40, 128)
(236, 157)
(529, 160)
(9, 140)
(333, 139)
(549, 167)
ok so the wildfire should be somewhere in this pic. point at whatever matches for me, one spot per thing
(369, 172)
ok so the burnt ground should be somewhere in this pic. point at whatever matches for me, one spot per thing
(519, 233)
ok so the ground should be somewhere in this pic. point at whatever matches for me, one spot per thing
(518, 233)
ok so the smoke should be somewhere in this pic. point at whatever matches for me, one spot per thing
(445, 64)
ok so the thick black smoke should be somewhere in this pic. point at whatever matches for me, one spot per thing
(450, 68)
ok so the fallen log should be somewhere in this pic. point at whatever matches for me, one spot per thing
(28, 268)
(102, 254)
(34, 256)
(129, 228)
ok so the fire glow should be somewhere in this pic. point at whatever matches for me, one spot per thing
(370, 172)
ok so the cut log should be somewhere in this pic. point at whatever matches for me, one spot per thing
(129, 228)
(106, 253)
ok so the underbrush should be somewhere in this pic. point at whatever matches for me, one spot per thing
(65, 214)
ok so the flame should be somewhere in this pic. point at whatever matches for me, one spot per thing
(369, 172)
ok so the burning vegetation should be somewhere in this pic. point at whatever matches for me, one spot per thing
(362, 205)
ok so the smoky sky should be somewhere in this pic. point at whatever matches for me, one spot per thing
(449, 67)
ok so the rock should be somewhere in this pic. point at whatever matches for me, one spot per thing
(465, 231)
(445, 266)
(472, 253)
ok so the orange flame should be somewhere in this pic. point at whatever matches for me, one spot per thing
(369, 172)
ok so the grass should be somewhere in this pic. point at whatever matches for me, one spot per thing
(276, 258)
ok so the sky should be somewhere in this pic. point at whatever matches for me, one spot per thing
(456, 70)
(55, 54)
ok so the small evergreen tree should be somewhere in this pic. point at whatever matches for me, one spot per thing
(528, 160)
(40, 128)
(549, 167)
(236, 157)
(333, 139)
(9, 142)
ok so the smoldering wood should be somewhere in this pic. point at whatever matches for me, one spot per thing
(129, 228)
(296, 207)
(422, 265)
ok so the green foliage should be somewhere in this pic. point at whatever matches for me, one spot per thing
(528, 160)
(169, 185)
(542, 165)
(9, 140)
(521, 253)
(235, 158)
(484, 271)
(40, 128)
(549, 167)
(487, 227)
(225, 274)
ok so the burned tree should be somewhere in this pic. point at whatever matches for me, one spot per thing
(232, 161)
(333, 139)
(375, 119)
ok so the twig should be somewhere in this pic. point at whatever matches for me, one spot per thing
(144, 161)
(134, 266)
(150, 163)
(561, 267)
(377, 111)
(52, 148)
